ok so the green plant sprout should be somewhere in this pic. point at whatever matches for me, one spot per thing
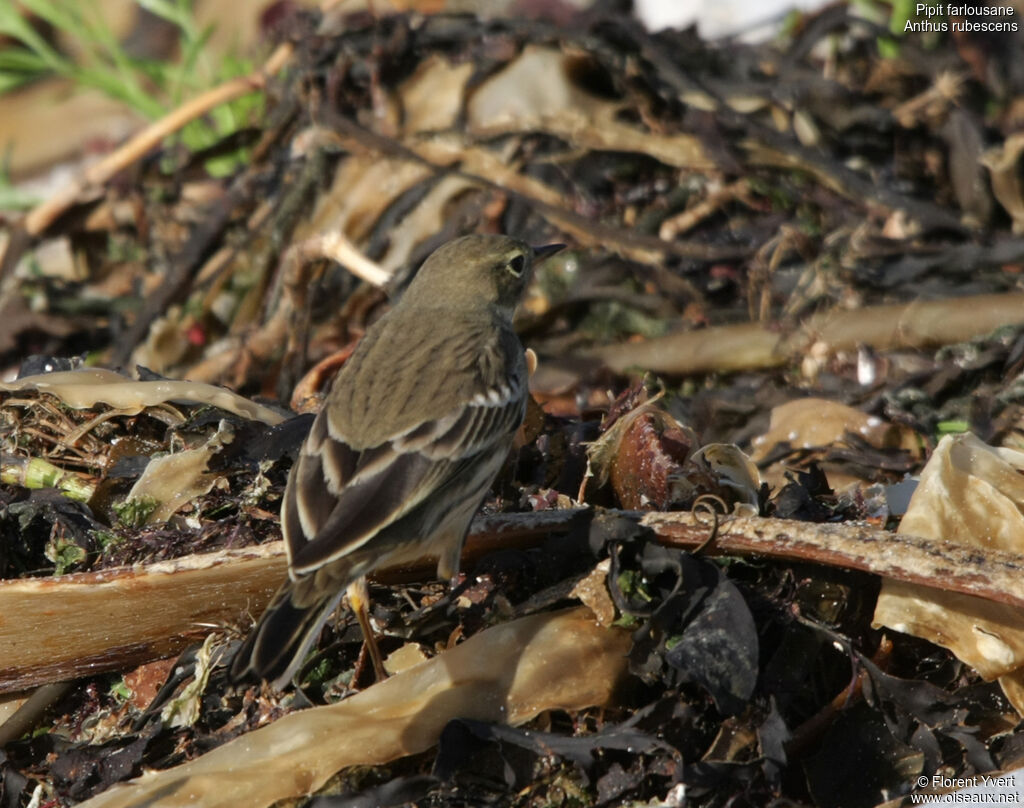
(151, 87)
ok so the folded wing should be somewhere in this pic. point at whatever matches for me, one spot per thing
(344, 497)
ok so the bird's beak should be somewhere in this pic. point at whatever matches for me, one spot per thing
(540, 253)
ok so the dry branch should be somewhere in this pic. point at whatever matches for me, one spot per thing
(67, 627)
(991, 574)
(54, 629)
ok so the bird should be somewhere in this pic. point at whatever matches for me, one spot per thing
(413, 431)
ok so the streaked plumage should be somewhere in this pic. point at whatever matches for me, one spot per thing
(415, 428)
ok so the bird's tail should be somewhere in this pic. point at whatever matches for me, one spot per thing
(280, 640)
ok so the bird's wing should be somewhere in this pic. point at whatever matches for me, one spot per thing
(339, 498)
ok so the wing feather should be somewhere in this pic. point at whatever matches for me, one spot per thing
(388, 481)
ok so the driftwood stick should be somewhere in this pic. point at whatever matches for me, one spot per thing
(62, 628)
(991, 574)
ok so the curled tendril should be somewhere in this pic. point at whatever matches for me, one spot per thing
(707, 509)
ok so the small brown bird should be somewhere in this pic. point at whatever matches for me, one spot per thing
(413, 432)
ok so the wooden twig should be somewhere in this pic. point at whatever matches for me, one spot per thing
(691, 217)
(62, 628)
(991, 574)
(336, 246)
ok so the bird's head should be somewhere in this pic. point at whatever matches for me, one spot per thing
(477, 270)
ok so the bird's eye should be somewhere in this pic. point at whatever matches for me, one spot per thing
(517, 265)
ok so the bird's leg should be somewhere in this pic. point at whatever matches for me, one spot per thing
(359, 600)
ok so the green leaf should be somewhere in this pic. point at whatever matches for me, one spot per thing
(134, 512)
(64, 553)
